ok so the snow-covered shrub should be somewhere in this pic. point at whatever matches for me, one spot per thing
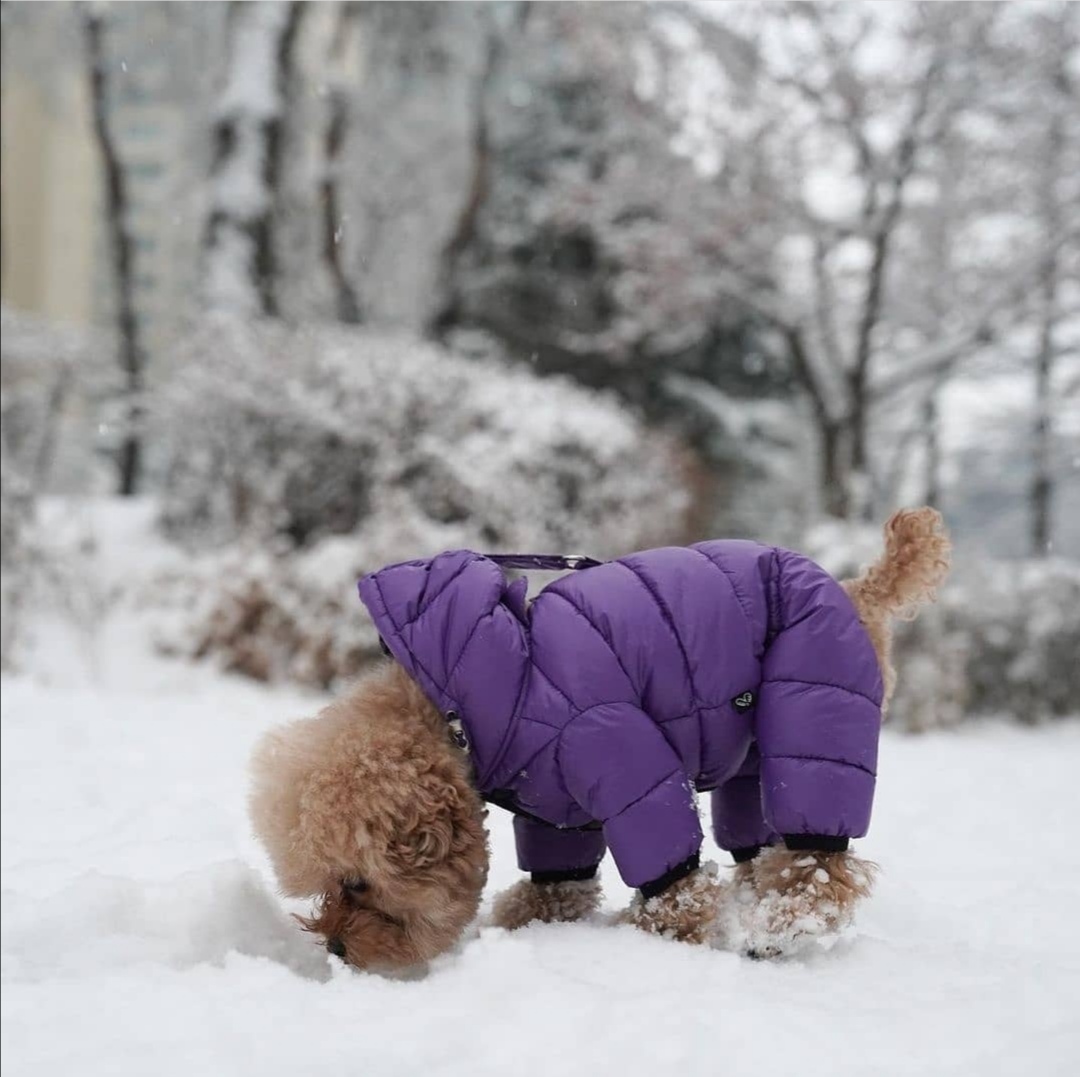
(306, 457)
(16, 554)
(1004, 642)
(289, 435)
(45, 373)
(50, 378)
(931, 657)
(284, 617)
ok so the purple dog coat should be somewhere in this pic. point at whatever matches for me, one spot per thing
(595, 712)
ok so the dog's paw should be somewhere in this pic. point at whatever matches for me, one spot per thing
(782, 925)
(527, 902)
(687, 911)
(784, 903)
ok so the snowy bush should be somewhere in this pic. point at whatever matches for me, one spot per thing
(307, 457)
(16, 554)
(1004, 642)
(289, 618)
(50, 380)
(1001, 641)
(294, 434)
(45, 375)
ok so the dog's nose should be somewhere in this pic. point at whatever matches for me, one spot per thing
(336, 947)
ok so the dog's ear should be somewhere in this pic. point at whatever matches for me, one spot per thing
(431, 825)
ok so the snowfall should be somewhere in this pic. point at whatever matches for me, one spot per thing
(142, 933)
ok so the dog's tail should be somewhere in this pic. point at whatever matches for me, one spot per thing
(909, 571)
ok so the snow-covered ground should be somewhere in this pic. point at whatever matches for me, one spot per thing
(141, 933)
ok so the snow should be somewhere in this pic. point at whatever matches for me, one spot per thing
(250, 90)
(141, 932)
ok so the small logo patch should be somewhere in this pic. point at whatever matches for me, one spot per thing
(743, 702)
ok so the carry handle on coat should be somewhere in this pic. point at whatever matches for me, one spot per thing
(545, 561)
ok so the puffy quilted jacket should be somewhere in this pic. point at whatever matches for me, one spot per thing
(597, 710)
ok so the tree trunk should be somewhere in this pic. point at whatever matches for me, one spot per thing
(266, 260)
(1041, 481)
(835, 474)
(129, 458)
(447, 311)
(346, 300)
(240, 243)
(1042, 485)
(932, 475)
(860, 502)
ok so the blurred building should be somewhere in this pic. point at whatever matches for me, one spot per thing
(55, 242)
(49, 192)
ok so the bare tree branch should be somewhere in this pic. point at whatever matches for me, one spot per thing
(941, 357)
(906, 156)
(825, 307)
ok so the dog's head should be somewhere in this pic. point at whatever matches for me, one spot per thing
(369, 808)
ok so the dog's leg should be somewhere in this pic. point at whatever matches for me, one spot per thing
(686, 911)
(527, 902)
(802, 896)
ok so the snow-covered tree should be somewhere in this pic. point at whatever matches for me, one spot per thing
(1045, 63)
(878, 124)
(591, 247)
(117, 211)
(241, 253)
(697, 206)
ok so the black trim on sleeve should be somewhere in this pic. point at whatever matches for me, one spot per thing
(741, 856)
(816, 843)
(570, 875)
(680, 871)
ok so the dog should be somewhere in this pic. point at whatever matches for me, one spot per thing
(595, 714)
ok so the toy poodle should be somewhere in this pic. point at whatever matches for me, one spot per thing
(595, 713)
